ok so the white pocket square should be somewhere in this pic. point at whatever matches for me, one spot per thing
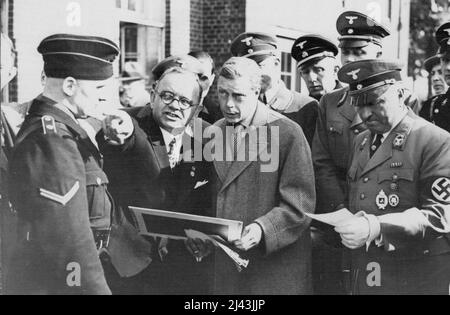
(200, 184)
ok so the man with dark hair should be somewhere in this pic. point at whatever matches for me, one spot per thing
(316, 62)
(438, 86)
(262, 48)
(210, 111)
(440, 114)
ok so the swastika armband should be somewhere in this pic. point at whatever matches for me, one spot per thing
(440, 189)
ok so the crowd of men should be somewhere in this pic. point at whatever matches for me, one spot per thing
(356, 143)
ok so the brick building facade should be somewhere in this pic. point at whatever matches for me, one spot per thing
(149, 30)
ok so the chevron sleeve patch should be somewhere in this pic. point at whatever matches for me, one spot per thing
(62, 199)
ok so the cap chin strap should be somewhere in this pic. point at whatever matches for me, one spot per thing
(360, 37)
(374, 86)
(319, 55)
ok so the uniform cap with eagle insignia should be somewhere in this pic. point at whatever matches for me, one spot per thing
(443, 39)
(254, 45)
(77, 56)
(310, 48)
(358, 30)
(429, 63)
(366, 75)
(186, 62)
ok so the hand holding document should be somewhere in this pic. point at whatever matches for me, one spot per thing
(182, 226)
(218, 242)
(335, 218)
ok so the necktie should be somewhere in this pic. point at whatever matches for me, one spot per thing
(263, 98)
(172, 154)
(376, 144)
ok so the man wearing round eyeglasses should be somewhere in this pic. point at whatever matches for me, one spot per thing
(150, 169)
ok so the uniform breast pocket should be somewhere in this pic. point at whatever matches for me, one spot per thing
(400, 187)
(337, 142)
(98, 199)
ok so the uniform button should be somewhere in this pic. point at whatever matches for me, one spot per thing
(426, 252)
(366, 180)
(356, 131)
(395, 177)
(99, 181)
(363, 196)
(331, 129)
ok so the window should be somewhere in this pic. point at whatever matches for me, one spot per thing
(130, 5)
(141, 33)
(286, 69)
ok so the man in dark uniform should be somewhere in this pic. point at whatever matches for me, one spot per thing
(440, 114)
(154, 168)
(316, 62)
(262, 48)
(399, 189)
(438, 86)
(337, 125)
(56, 180)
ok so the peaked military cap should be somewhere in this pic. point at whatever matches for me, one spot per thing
(254, 45)
(365, 75)
(358, 30)
(429, 63)
(443, 39)
(311, 47)
(185, 62)
(81, 57)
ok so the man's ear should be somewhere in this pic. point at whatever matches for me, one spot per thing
(70, 86)
(152, 95)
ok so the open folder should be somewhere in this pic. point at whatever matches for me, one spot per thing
(180, 226)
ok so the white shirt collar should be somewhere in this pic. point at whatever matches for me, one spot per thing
(271, 93)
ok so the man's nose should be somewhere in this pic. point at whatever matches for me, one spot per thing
(364, 112)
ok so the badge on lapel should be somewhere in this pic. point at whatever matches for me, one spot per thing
(399, 141)
(361, 147)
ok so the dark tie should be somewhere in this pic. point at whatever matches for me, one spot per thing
(263, 98)
(236, 132)
(376, 144)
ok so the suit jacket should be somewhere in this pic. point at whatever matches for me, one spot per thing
(300, 108)
(277, 200)
(410, 170)
(140, 175)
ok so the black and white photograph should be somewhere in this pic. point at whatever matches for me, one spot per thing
(225, 152)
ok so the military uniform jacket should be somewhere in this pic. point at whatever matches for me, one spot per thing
(410, 170)
(337, 125)
(59, 190)
(300, 108)
(437, 110)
